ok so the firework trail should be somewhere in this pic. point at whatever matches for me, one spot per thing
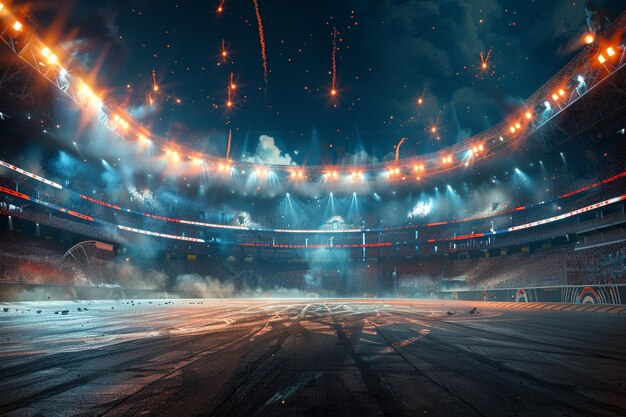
(231, 89)
(155, 86)
(224, 53)
(484, 60)
(333, 90)
(398, 148)
(230, 136)
(220, 6)
(262, 40)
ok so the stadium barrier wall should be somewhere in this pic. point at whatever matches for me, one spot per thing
(572, 294)
(41, 292)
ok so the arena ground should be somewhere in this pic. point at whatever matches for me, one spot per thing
(301, 357)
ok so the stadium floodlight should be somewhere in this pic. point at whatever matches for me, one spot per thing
(601, 59)
(528, 115)
(555, 96)
(17, 26)
(47, 53)
(512, 129)
(589, 39)
(610, 51)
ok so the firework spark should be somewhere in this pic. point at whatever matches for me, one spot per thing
(230, 136)
(484, 59)
(220, 6)
(155, 85)
(420, 99)
(229, 103)
(398, 148)
(224, 52)
(333, 90)
(262, 40)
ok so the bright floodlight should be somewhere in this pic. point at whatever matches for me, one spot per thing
(610, 51)
(17, 26)
(601, 59)
(589, 39)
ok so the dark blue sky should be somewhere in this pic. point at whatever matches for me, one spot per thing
(389, 53)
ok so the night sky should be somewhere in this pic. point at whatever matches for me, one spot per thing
(388, 55)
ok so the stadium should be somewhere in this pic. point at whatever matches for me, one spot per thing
(203, 239)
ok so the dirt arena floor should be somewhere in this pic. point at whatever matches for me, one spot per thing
(301, 357)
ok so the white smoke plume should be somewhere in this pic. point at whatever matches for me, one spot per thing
(268, 153)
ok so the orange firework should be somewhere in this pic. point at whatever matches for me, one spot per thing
(230, 136)
(232, 84)
(262, 40)
(420, 99)
(229, 103)
(224, 53)
(398, 148)
(333, 90)
(155, 86)
(220, 6)
(484, 59)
